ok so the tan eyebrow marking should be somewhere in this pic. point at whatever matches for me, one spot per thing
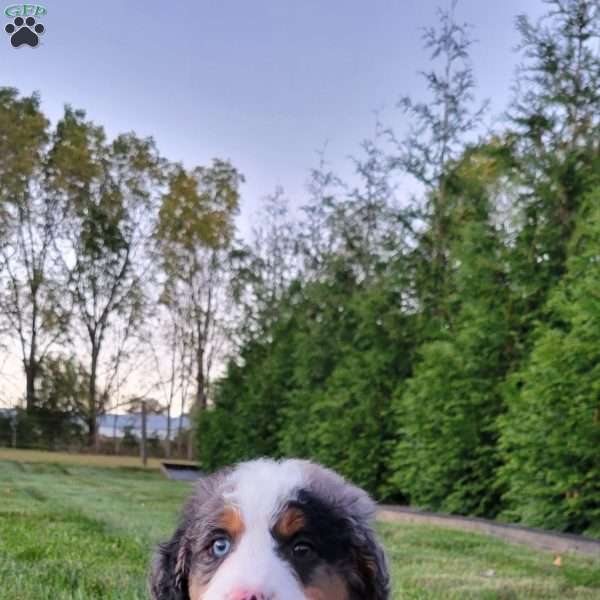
(290, 522)
(231, 521)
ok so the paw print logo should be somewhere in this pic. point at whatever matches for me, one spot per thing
(24, 31)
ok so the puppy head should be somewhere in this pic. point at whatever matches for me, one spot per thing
(266, 530)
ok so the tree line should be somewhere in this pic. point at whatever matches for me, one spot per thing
(109, 254)
(441, 351)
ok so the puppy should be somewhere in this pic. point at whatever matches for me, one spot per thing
(273, 530)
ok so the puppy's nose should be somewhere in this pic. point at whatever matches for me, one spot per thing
(248, 595)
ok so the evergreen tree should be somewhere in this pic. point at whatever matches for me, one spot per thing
(551, 433)
(439, 126)
(446, 457)
(245, 421)
(394, 347)
(556, 137)
(322, 326)
(555, 134)
(351, 426)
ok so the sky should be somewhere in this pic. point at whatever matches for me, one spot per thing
(266, 84)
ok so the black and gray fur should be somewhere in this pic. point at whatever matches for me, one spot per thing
(348, 513)
(172, 562)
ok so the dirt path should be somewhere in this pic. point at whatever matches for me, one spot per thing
(559, 543)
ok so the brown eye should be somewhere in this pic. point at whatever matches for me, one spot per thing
(302, 550)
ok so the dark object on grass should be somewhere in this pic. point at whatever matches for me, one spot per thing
(180, 472)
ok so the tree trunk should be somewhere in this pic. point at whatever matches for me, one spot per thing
(90, 422)
(31, 364)
(92, 403)
(180, 427)
(200, 379)
(168, 439)
(14, 426)
(190, 445)
(30, 374)
(115, 439)
(144, 436)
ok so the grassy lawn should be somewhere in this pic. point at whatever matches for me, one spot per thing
(75, 531)
(65, 458)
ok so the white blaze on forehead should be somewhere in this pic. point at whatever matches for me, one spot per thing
(260, 487)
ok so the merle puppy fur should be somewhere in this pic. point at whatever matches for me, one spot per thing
(335, 522)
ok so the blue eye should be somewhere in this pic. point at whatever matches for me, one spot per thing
(220, 547)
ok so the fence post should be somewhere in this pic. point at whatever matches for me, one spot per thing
(14, 425)
(143, 449)
(190, 443)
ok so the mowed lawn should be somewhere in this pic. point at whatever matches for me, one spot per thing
(70, 531)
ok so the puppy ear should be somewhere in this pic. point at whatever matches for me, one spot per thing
(371, 565)
(169, 578)
(368, 577)
(171, 568)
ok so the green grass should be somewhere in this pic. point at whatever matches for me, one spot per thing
(80, 532)
(67, 458)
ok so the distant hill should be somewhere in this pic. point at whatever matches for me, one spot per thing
(155, 424)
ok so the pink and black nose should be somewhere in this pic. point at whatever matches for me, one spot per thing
(245, 594)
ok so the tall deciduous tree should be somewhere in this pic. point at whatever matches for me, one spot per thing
(108, 190)
(171, 365)
(32, 303)
(264, 268)
(194, 234)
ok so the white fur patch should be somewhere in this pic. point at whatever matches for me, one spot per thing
(261, 486)
(259, 489)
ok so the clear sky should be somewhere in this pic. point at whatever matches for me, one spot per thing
(265, 83)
